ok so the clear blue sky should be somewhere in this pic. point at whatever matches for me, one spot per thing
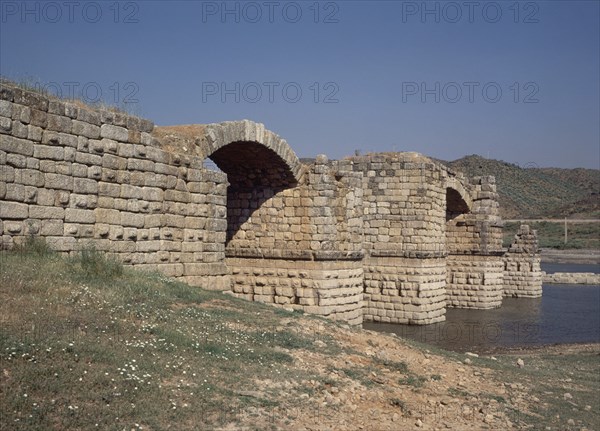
(383, 63)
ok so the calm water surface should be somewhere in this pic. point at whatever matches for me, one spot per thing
(564, 314)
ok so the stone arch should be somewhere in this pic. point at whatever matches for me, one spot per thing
(458, 198)
(455, 204)
(245, 144)
(259, 166)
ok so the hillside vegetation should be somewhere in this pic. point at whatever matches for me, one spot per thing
(532, 192)
(551, 235)
(87, 344)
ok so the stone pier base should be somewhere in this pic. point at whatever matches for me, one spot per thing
(329, 288)
(522, 270)
(474, 281)
(405, 290)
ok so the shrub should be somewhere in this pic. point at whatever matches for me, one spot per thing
(97, 266)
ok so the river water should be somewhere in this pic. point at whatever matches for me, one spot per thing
(564, 314)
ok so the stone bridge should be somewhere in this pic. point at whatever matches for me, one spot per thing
(391, 237)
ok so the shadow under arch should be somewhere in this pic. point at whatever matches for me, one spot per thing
(258, 163)
(255, 175)
(455, 204)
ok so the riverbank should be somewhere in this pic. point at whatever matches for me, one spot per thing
(574, 256)
(550, 349)
(586, 278)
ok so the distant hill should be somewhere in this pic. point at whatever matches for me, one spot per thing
(532, 192)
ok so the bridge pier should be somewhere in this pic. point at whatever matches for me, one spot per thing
(329, 288)
(522, 270)
(475, 265)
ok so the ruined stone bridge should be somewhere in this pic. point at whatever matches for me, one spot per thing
(391, 237)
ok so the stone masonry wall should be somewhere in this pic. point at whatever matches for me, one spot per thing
(302, 246)
(332, 289)
(522, 270)
(321, 216)
(404, 241)
(474, 263)
(77, 176)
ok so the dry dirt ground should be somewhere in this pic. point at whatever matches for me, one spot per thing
(371, 390)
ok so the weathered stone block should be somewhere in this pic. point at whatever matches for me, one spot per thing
(16, 160)
(131, 192)
(48, 152)
(10, 144)
(13, 210)
(85, 129)
(15, 192)
(85, 186)
(140, 165)
(52, 227)
(125, 150)
(71, 110)
(58, 181)
(62, 243)
(5, 125)
(108, 216)
(56, 107)
(83, 201)
(19, 130)
(133, 220)
(89, 116)
(38, 118)
(114, 162)
(13, 227)
(114, 132)
(34, 133)
(109, 189)
(6, 108)
(44, 212)
(152, 194)
(59, 123)
(88, 159)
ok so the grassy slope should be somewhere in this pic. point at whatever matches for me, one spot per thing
(551, 235)
(84, 342)
(538, 192)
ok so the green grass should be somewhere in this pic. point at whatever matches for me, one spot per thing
(526, 191)
(413, 380)
(551, 235)
(399, 366)
(85, 341)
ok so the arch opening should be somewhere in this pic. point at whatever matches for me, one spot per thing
(455, 204)
(255, 174)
